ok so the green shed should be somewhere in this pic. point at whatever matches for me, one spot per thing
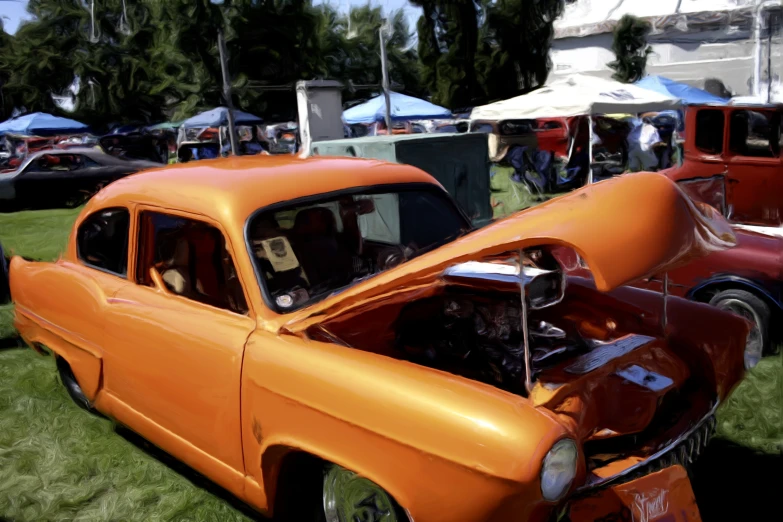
(460, 162)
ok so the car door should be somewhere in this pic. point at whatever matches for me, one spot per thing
(176, 352)
(755, 171)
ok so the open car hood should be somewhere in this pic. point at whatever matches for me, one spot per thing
(625, 228)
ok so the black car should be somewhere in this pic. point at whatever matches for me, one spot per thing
(63, 177)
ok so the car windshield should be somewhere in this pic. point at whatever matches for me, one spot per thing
(307, 251)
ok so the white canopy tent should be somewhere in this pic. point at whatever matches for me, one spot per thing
(577, 95)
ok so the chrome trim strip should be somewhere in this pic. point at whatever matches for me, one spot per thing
(660, 453)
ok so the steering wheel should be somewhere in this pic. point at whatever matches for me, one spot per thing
(394, 255)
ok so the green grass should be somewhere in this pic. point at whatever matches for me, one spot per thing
(37, 234)
(58, 462)
(753, 414)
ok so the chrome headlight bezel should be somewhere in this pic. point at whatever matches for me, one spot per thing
(558, 470)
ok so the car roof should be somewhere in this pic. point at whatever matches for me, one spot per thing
(228, 190)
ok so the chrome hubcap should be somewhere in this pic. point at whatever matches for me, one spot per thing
(754, 346)
(351, 498)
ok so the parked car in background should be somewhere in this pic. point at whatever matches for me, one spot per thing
(732, 161)
(746, 280)
(56, 177)
(327, 339)
(138, 146)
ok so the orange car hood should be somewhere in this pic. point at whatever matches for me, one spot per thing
(625, 228)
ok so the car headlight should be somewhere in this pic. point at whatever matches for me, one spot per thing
(558, 470)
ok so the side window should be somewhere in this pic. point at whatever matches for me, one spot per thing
(192, 259)
(753, 134)
(709, 131)
(102, 240)
(85, 162)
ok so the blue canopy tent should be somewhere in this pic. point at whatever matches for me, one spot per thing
(219, 118)
(402, 108)
(689, 95)
(42, 124)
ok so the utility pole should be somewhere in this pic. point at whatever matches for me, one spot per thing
(769, 58)
(232, 135)
(385, 72)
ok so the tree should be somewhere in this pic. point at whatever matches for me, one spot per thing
(448, 44)
(515, 46)
(6, 102)
(116, 73)
(40, 61)
(147, 60)
(630, 49)
(474, 51)
(361, 41)
(110, 59)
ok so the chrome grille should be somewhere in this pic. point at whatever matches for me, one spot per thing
(683, 451)
(686, 451)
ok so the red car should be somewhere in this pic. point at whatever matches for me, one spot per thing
(732, 161)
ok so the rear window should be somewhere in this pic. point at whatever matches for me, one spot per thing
(102, 240)
(709, 131)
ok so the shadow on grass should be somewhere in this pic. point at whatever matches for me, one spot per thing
(732, 482)
(11, 342)
(187, 472)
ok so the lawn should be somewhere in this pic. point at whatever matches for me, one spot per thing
(58, 462)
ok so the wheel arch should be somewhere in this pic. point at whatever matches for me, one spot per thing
(279, 462)
(87, 367)
(706, 289)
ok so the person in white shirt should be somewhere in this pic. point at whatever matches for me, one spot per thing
(642, 142)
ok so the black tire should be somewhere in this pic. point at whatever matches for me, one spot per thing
(300, 495)
(757, 311)
(5, 285)
(72, 386)
(299, 490)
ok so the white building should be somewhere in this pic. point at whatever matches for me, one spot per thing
(692, 40)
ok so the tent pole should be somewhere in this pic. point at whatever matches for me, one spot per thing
(590, 149)
(232, 136)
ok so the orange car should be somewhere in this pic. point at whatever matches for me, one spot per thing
(328, 340)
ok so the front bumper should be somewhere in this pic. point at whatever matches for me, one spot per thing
(657, 488)
(683, 451)
(663, 496)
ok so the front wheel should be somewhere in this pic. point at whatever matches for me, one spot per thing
(348, 497)
(751, 307)
(316, 491)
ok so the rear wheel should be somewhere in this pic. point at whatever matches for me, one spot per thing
(5, 288)
(72, 386)
(754, 309)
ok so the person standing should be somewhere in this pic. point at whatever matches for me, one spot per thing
(642, 143)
